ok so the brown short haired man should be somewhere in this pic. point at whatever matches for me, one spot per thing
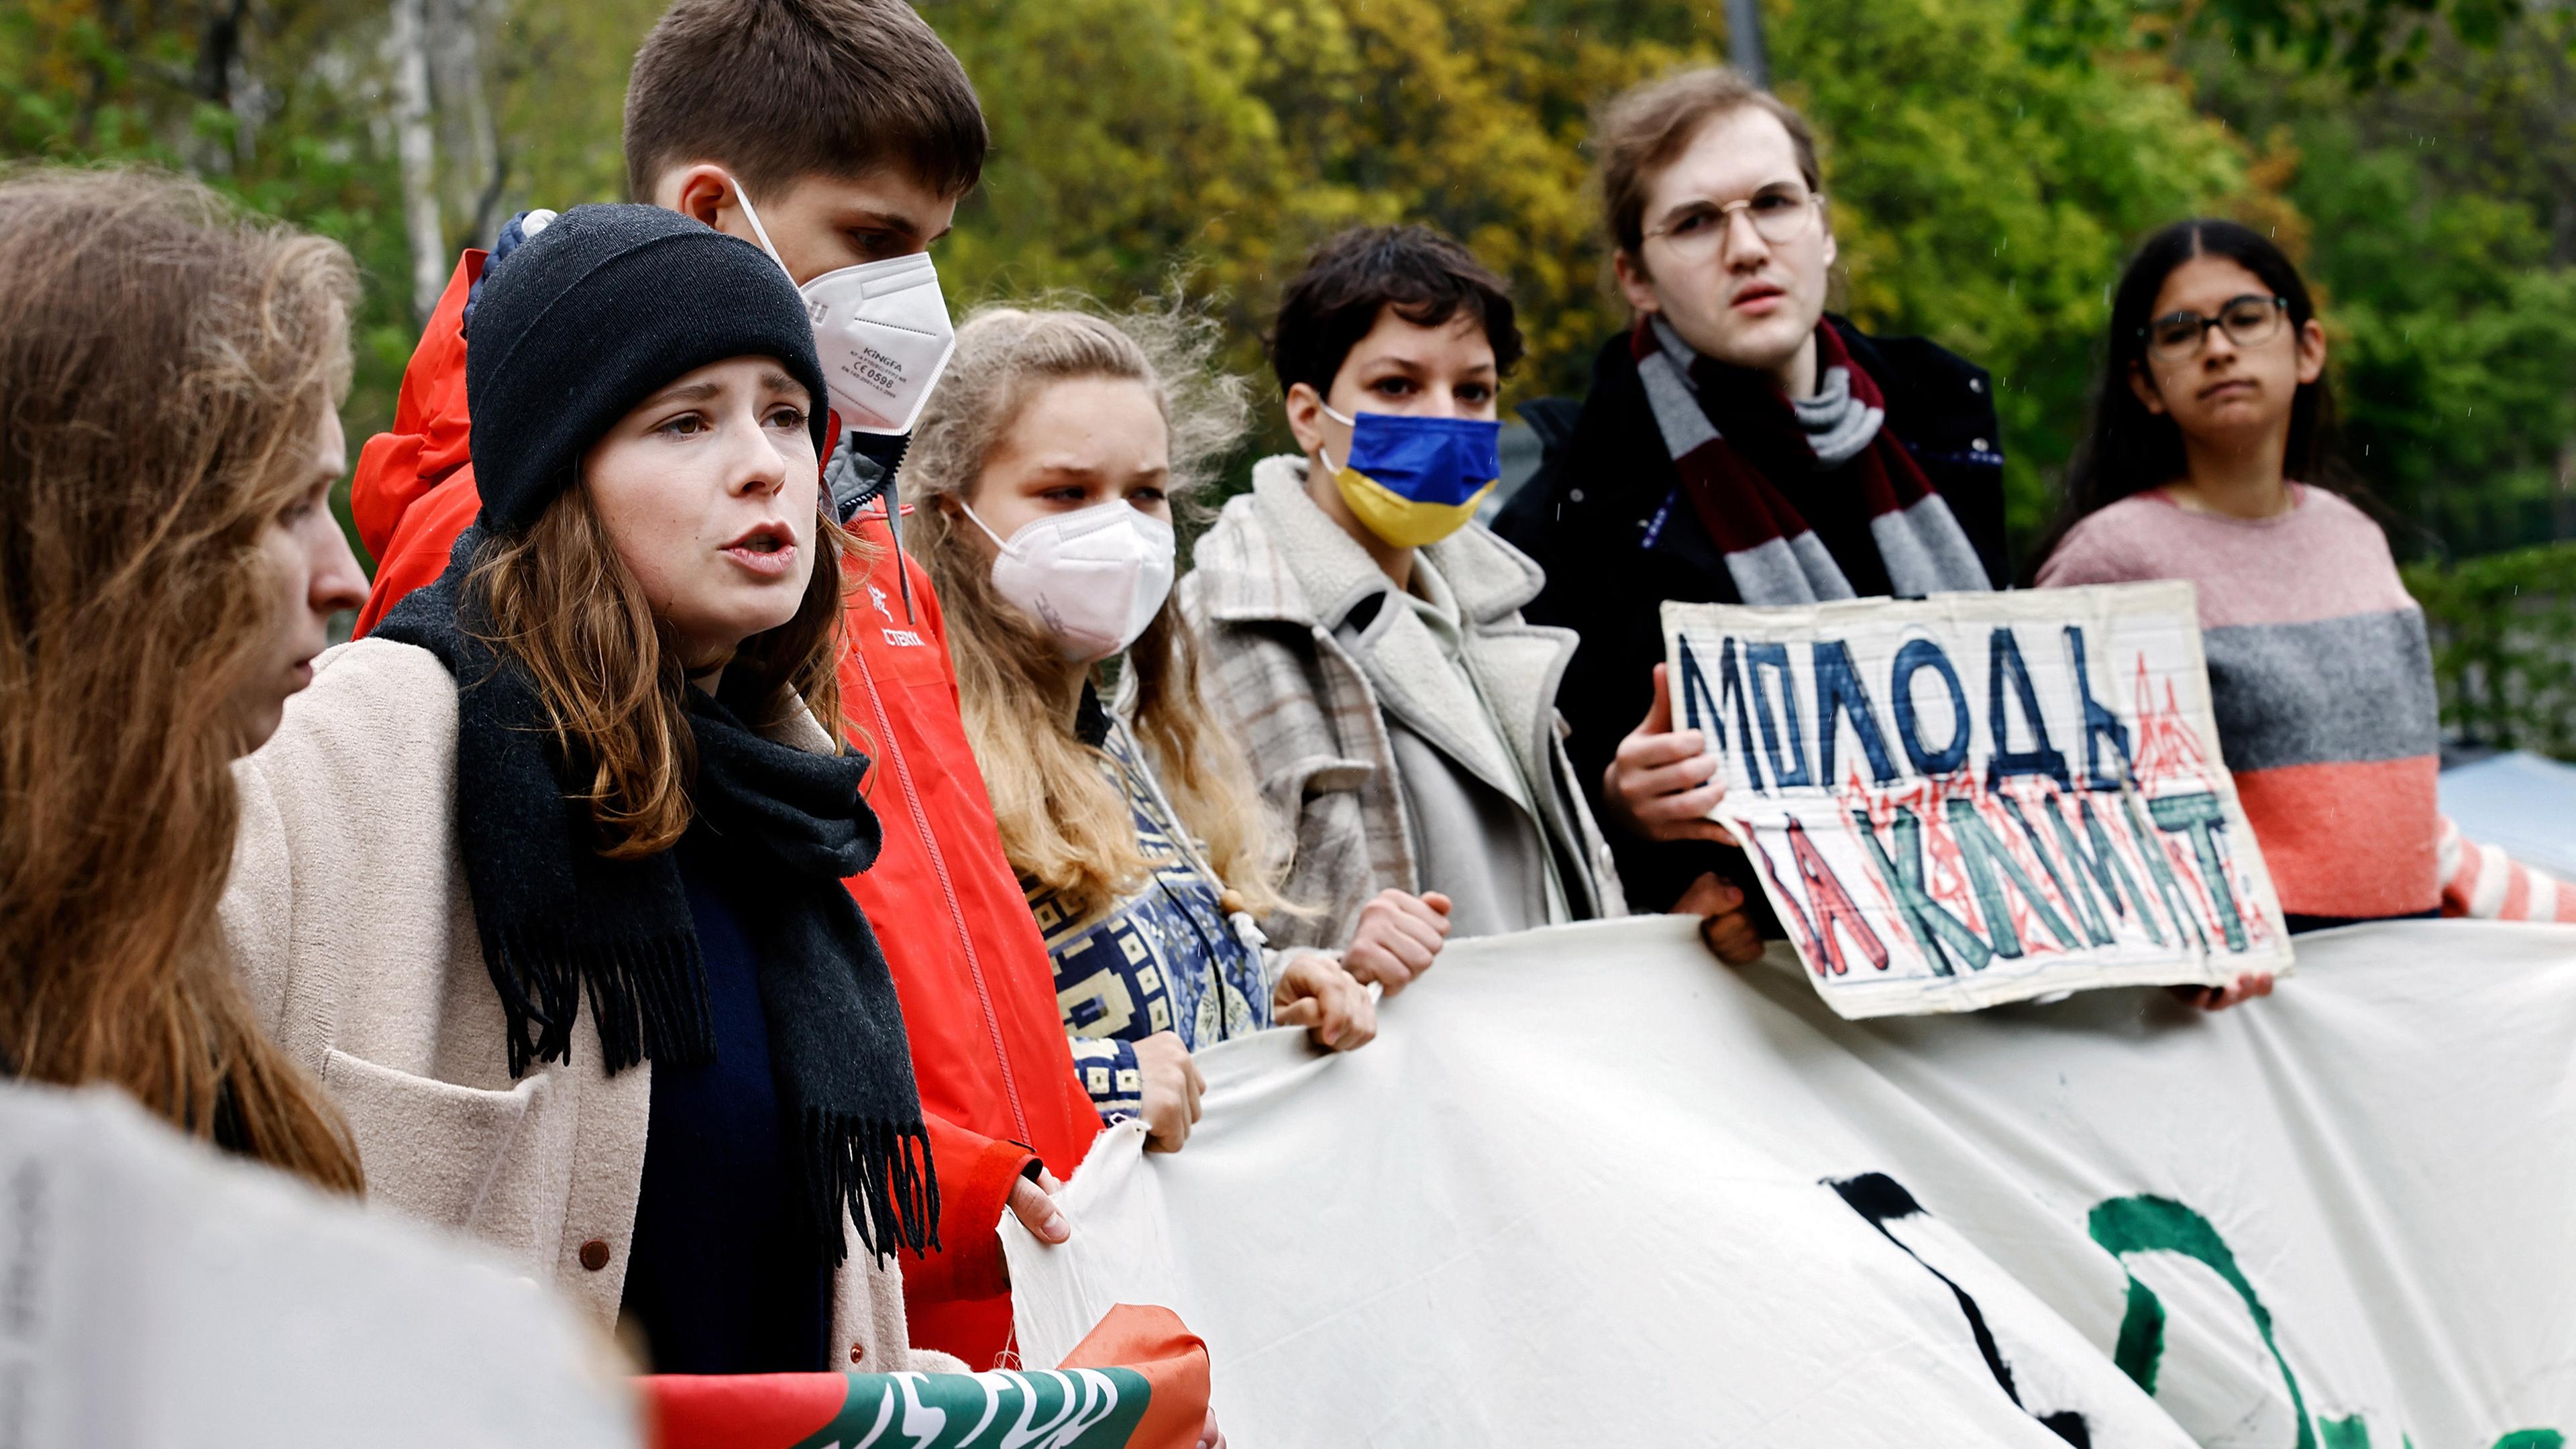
(855, 133)
(1739, 444)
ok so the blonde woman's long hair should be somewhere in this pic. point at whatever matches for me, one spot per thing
(1064, 825)
(165, 367)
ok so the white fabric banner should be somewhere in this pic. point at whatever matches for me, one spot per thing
(1590, 1186)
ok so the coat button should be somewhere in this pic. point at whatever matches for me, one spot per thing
(594, 1254)
(1978, 444)
(858, 1351)
(1976, 384)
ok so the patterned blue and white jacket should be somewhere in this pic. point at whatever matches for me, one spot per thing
(1166, 957)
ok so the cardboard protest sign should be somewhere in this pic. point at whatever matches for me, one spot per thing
(1978, 798)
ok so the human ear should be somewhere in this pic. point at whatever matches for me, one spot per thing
(2145, 388)
(1831, 251)
(702, 193)
(1306, 416)
(1634, 284)
(2312, 351)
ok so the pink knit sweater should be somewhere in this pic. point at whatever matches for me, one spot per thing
(2321, 678)
(2323, 687)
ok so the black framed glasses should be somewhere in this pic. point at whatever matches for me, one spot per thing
(2249, 321)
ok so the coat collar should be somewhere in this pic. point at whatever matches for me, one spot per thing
(1274, 556)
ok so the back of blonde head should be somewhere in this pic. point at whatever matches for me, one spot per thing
(1064, 825)
(164, 366)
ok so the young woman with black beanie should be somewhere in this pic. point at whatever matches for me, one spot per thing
(543, 877)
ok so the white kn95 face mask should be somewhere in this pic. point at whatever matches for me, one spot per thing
(1094, 577)
(882, 330)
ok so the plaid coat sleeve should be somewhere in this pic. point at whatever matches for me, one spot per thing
(1306, 719)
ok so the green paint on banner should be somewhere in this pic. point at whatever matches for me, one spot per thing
(2142, 1337)
(2144, 1224)
(1095, 1408)
(2128, 1225)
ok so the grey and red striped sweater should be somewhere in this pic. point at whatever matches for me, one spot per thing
(2321, 678)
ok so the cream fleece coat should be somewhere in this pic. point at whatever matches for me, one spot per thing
(348, 915)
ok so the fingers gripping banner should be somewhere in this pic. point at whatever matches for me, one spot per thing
(1590, 1186)
(1977, 798)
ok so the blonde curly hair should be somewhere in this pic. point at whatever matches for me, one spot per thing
(1065, 825)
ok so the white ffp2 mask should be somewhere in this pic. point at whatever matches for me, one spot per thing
(882, 330)
(1094, 577)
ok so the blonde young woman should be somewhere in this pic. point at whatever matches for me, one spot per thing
(168, 564)
(543, 877)
(1050, 462)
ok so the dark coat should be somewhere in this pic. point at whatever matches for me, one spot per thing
(1583, 514)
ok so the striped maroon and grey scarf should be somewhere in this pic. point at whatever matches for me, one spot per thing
(1771, 551)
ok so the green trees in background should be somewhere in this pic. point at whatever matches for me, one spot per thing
(1990, 163)
(2439, 220)
(1978, 197)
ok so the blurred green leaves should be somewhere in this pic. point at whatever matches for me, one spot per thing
(2366, 43)
(1990, 163)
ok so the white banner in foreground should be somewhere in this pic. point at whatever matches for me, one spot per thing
(1589, 1186)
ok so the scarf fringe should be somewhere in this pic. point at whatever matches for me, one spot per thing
(880, 1173)
(648, 998)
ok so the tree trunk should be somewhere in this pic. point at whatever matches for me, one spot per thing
(214, 79)
(1744, 48)
(417, 148)
(466, 133)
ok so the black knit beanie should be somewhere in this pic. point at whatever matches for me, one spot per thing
(596, 313)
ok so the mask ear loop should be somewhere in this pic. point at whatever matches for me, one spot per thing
(894, 522)
(752, 214)
(969, 510)
(1326, 453)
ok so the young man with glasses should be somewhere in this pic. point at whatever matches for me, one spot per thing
(1739, 445)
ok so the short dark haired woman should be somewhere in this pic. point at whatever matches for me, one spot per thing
(1351, 612)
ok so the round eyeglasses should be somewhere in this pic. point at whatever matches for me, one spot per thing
(1779, 214)
(2249, 321)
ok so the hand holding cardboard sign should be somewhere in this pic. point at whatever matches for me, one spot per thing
(2246, 986)
(1724, 927)
(1662, 783)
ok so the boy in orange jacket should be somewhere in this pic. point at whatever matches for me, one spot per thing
(855, 132)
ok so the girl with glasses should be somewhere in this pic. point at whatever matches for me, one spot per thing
(2211, 458)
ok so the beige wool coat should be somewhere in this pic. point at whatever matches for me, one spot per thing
(1315, 726)
(348, 914)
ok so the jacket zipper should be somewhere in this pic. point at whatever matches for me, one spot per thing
(948, 889)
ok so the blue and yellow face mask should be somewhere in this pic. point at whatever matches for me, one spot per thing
(1414, 481)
